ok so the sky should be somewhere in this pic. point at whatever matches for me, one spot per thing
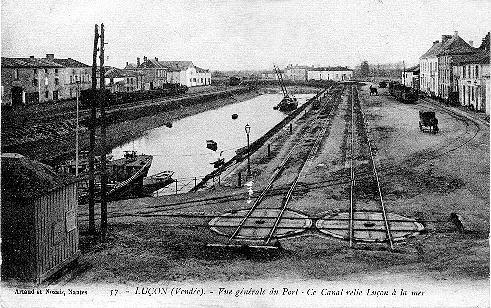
(240, 34)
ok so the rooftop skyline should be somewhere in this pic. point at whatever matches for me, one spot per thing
(228, 35)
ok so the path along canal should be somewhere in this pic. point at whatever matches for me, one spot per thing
(182, 148)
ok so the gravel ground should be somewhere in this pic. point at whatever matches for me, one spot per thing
(423, 176)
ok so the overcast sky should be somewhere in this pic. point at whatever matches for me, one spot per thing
(244, 34)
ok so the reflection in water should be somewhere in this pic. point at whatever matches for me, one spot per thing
(182, 148)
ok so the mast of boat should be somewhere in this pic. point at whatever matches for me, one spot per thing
(280, 80)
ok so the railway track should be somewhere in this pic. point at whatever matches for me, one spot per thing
(360, 127)
(297, 151)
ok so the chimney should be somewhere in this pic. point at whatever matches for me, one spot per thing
(436, 42)
(126, 63)
(50, 56)
(456, 33)
(471, 43)
(445, 38)
(32, 57)
(138, 61)
(156, 59)
(145, 59)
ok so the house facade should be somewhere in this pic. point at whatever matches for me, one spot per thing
(118, 80)
(297, 73)
(452, 47)
(337, 73)
(428, 63)
(473, 82)
(158, 73)
(38, 80)
(410, 77)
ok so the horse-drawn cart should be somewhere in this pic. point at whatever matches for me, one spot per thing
(428, 122)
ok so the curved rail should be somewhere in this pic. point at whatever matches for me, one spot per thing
(273, 178)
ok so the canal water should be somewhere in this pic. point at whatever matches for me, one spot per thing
(182, 148)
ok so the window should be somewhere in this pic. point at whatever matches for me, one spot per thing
(35, 82)
(71, 92)
(46, 94)
(71, 79)
(472, 94)
(35, 71)
(463, 71)
(45, 70)
(477, 71)
(56, 71)
(57, 81)
(16, 73)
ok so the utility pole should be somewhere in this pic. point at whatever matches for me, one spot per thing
(102, 100)
(92, 128)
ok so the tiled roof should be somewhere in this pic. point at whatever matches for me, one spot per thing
(433, 51)
(177, 65)
(455, 45)
(475, 58)
(28, 62)
(70, 62)
(334, 68)
(119, 73)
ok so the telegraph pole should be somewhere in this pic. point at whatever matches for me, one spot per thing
(102, 99)
(92, 128)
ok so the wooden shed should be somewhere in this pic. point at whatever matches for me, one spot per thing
(39, 220)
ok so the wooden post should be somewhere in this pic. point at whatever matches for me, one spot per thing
(195, 182)
(102, 97)
(92, 128)
(176, 186)
(239, 179)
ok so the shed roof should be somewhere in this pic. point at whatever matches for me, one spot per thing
(413, 69)
(28, 63)
(23, 178)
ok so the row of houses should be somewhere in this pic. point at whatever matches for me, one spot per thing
(38, 80)
(455, 71)
(306, 73)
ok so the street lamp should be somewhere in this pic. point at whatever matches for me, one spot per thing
(248, 130)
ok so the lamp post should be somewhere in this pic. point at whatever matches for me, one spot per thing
(248, 130)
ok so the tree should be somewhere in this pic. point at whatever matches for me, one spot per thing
(364, 69)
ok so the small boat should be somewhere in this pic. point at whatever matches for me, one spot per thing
(157, 181)
(288, 104)
(235, 116)
(125, 176)
(212, 145)
(218, 163)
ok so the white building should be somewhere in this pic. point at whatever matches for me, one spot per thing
(337, 73)
(410, 77)
(428, 64)
(473, 81)
(185, 73)
(158, 73)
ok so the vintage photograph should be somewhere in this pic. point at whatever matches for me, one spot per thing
(245, 153)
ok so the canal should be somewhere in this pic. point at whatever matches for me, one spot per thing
(182, 148)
